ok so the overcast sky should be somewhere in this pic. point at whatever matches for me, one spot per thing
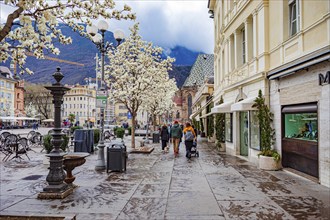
(167, 23)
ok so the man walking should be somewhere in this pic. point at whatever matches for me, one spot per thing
(176, 134)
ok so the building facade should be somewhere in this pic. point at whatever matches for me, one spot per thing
(7, 92)
(282, 49)
(80, 101)
(19, 98)
(183, 99)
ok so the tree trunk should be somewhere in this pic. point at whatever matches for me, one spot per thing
(133, 132)
(154, 121)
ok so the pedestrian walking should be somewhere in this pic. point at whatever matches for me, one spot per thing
(189, 138)
(176, 134)
(165, 136)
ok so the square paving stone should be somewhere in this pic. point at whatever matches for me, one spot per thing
(8, 200)
(157, 177)
(281, 188)
(195, 217)
(189, 183)
(303, 207)
(144, 208)
(234, 188)
(151, 191)
(244, 209)
(192, 203)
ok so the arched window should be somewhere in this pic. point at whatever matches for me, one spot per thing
(17, 95)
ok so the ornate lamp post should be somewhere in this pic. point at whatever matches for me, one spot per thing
(103, 47)
(56, 188)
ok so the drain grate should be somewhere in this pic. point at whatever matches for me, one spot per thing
(32, 177)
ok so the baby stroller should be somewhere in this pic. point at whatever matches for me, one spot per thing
(194, 152)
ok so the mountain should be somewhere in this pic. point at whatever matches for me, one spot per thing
(83, 51)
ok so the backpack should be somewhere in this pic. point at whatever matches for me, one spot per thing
(189, 136)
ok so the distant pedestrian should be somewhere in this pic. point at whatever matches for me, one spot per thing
(190, 137)
(176, 134)
(165, 136)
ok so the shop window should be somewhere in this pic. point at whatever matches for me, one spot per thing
(229, 127)
(302, 126)
(243, 46)
(254, 130)
(294, 16)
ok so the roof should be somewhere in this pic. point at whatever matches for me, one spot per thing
(5, 73)
(202, 68)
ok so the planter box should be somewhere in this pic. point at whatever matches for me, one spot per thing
(268, 163)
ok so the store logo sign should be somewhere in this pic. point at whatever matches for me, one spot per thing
(324, 79)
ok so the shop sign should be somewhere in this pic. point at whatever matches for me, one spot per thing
(324, 79)
(101, 99)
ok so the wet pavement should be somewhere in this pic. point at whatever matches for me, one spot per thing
(159, 186)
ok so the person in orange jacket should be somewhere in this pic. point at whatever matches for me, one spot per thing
(190, 136)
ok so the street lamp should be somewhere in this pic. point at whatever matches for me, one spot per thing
(103, 47)
(87, 80)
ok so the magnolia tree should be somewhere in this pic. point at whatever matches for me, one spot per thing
(33, 25)
(135, 67)
(159, 100)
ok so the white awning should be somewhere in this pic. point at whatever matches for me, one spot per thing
(222, 108)
(244, 105)
(208, 114)
(48, 120)
(13, 118)
(194, 116)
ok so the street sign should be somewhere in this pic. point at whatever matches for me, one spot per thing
(101, 99)
(129, 115)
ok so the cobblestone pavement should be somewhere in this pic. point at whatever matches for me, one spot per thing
(160, 186)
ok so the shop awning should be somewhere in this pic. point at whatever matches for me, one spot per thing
(208, 114)
(244, 105)
(222, 108)
(13, 118)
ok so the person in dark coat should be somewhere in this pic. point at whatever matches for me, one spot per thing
(165, 136)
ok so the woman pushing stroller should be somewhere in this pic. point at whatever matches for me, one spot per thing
(190, 137)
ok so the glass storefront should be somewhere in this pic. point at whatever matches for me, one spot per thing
(254, 130)
(302, 126)
(244, 133)
(229, 127)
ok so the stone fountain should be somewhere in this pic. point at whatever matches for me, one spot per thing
(71, 161)
(59, 184)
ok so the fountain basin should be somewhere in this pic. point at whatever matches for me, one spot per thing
(71, 161)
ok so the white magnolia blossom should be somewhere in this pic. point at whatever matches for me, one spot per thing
(160, 98)
(136, 68)
(33, 25)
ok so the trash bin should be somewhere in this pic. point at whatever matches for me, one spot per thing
(84, 140)
(155, 137)
(116, 157)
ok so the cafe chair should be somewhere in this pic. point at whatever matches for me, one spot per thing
(10, 146)
(22, 148)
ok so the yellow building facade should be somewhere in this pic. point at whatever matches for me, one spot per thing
(80, 101)
(7, 92)
(282, 48)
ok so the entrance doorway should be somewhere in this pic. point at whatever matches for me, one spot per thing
(244, 133)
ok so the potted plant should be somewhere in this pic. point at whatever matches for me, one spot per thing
(49, 147)
(202, 128)
(210, 128)
(269, 159)
(96, 136)
(220, 129)
(120, 132)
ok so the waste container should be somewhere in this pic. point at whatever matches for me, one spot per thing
(155, 137)
(84, 140)
(116, 157)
